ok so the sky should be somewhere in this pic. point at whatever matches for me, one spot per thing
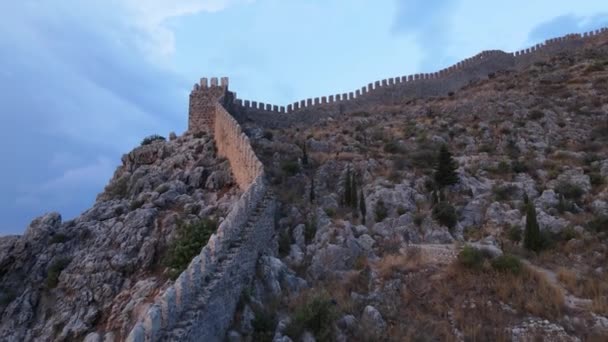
(82, 82)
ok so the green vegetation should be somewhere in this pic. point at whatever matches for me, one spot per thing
(532, 238)
(569, 191)
(310, 230)
(471, 257)
(119, 188)
(362, 206)
(445, 214)
(316, 315)
(59, 238)
(267, 135)
(290, 167)
(190, 239)
(598, 224)
(507, 263)
(536, 115)
(445, 170)
(504, 192)
(152, 138)
(380, 211)
(52, 275)
(264, 323)
(514, 234)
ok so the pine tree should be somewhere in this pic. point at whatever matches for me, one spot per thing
(362, 206)
(445, 170)
(532, 238)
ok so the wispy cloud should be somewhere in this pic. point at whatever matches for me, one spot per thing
(568, 23)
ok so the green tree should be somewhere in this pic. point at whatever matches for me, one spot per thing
(304, 155)
(353, 193)
(532, 237)
(362, 206)
(347, 188)
(445, 169)
(312, 189)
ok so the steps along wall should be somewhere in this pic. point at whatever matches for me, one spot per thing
(214, 280)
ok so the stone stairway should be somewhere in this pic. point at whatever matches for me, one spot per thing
(182, 330)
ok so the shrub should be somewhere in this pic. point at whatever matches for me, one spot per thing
(52, 275)
(380, 211)
(401, 210)
(519, 166)
(445, 214)
(596, 179)
(392, 147)
(445, 170)
(569, 190)
(284, 242)
(598, 224)
(419, 218)
(152, 138)
(263, 324)
(59, 238)
(316, 315)
(118, 189)
(290, 167)
(504, 192)
(190, 239)
(536, 115)
(267, 135)
(310, 230)
(331, 212)
(507, 263)
(514, 234)
(362, 207)
(471, 257)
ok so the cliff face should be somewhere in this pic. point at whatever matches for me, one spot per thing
(61, 280)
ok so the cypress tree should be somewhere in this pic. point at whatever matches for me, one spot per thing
(532, 238)
(445, 170)
(304, 154)
(347, 188)
(353, 193)
(312, 189)
(362, 206)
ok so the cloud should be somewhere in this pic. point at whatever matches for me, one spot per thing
(566, 24)
(152, 17)
(429, 23)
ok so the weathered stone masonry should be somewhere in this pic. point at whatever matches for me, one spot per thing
(400, 89)
(200, 305)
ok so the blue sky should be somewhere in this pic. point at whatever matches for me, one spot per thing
(84, 81)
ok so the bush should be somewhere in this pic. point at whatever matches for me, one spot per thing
(598, 224)
(52, 275)
(316, 315)
(59, 238)
(152, 138)
(380, 211)
(190, 239)
(504, 192)
(310, 230)
(284, 242)
(514, 234)
(471, 257)
(263, 323)
(290, 167)
(507, 263)
(418, 218)
(118, 189)
(519, 166)
(445, 214)
(392, 147)
(536, 115)
(596, 179)
(569, 190)
(267, 135)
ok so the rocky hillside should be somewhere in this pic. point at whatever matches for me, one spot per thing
(478, 216)
(61, 280)
(391, 253)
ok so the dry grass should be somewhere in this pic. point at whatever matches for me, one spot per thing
(393, 264)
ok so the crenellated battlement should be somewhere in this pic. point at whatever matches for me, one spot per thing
(386, 91)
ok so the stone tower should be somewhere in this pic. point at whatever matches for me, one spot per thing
(203, 101)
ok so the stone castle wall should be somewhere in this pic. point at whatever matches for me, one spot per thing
(200, 305)
(400, 89)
